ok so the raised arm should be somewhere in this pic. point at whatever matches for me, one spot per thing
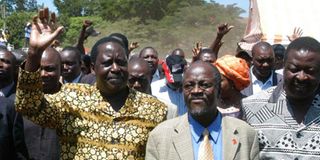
(133, 46)
(30, 99)
(43, 33)
(222, 30)
(196, 51)
(83, 36)
(297, 32)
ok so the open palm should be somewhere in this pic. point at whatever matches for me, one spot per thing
(43, 32)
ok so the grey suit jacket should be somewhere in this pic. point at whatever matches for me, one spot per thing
(171, 140)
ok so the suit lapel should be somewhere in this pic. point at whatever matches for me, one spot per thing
(230, 140)
(182, 139)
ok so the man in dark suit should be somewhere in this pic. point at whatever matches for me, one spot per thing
(43, 143)
(262, 73)
(71, 62)
(11, 127)
(7, 73)
(12, 144)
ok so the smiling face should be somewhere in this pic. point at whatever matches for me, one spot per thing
(301, 73)
(111, 68)
(200, 89)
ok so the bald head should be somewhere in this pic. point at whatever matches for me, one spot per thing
(207, 67)
(50, 66)
(262, 47)
(139, 75)
(51, 55)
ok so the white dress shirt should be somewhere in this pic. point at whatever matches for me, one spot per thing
(162, 91)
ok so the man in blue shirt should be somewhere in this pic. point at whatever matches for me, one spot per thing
(182, 137)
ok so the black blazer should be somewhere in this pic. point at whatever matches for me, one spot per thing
(12, 144)
(42, 143)
(88, 79)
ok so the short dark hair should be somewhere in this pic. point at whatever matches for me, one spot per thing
(75, 50)
(307, 43)
(121, 37)
(145, 48)
(263, 46)
(13, 57)
(279, 50)
(94, 51)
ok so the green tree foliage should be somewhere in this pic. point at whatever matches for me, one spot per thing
(166, 26)
(18, 13)
(19, 5)
(181, 30)
(74, 27)
(15, 24)
(70, 7)
(123, 9)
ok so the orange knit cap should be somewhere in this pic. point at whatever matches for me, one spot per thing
(235, 69)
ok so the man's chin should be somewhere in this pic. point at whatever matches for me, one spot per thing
(198, 112)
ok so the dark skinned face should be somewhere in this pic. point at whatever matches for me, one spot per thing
(111, 68)
(50, 67)
(200, 91)
(71, 65)
(207, 57)
(139, 78)
(226, 87)
(152, 58)
(301, 74)
(263, 63)
(7, 68)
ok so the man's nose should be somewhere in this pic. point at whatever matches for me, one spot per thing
(302, 76)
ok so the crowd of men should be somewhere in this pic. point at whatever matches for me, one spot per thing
(262, 104)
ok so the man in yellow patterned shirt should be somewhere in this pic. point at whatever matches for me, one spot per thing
(104, 121)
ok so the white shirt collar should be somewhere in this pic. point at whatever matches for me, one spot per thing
(259, 85)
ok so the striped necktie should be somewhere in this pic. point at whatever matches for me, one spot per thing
(205, 149)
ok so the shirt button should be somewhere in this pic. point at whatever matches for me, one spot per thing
(296, 159)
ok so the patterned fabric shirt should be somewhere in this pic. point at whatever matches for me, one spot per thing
(280, 135)
(87, 125)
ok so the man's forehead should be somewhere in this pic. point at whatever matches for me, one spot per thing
(303, 53)
(137, 75)
(195, 70)
(111, 48)
(6, 55)
(149, 51)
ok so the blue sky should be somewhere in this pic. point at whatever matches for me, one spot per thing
(244, 4)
